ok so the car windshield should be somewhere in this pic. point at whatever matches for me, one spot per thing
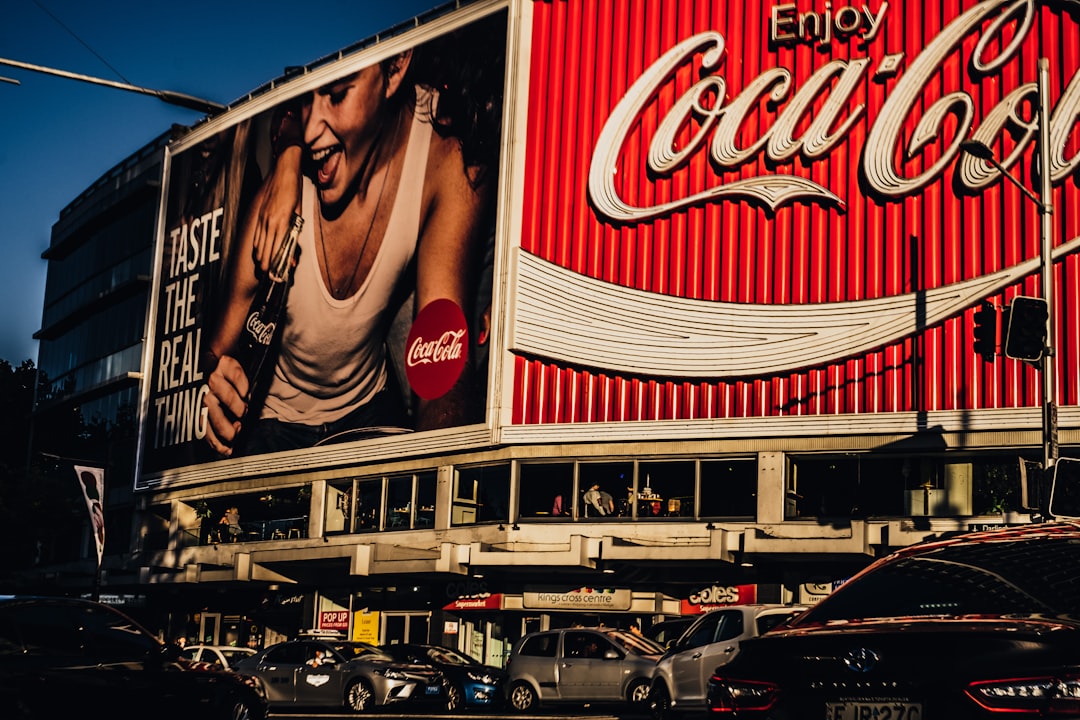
(449, 657)
(634, 643)
(1038, 575)
(355, 650)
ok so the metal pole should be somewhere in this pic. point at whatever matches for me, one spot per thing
(1046, 209)
(172, 98)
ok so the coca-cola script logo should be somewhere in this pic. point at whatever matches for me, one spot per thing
(437, 348)
(262, 332)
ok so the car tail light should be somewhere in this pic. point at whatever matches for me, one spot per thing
(1044, 696)
(732, 696)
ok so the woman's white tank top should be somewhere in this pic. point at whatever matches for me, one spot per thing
(333, 352)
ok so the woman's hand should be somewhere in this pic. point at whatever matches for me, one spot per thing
(276, 205)
(225, 405)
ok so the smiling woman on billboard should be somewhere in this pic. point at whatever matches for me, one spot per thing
(390, 204)
(387, 174)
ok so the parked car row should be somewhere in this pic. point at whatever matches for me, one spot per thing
(969, 627)
(65, 657)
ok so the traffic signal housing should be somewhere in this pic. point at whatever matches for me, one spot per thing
(986, 331)
(1025, 337)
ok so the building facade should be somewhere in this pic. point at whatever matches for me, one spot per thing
(721, 330)
(100, 260)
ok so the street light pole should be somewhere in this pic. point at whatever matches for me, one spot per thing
(173, 98)
(1046, 210)
(1045, 201)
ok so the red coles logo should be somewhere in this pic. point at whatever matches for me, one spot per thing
(437, 348)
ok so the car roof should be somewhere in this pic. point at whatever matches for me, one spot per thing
(1036, 567)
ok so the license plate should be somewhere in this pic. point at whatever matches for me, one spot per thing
(432, 690)
(873, 711)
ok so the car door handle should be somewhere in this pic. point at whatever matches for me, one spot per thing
(696, 656)
(729, 649)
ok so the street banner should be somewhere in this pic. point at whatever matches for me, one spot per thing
(92, 483)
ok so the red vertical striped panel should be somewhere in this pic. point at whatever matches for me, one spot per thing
(584, 57)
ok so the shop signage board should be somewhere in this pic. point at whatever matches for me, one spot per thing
(583, 598)
(717, 596)
(492, 601)
(366, 626)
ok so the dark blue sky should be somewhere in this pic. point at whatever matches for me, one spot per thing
(57, 136)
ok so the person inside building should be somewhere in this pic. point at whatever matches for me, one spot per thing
(231, 519)
(557, 507)
(394, 181)
(607, 503)
(594, 500)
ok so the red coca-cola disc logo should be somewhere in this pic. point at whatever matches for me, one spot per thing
(437, 348)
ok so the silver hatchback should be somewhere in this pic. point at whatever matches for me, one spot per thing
(581, 665)
(681, 676)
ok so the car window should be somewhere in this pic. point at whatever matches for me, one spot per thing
(233, 655)
(703, 632)
(543, 645)
(765, 623)
(354, 650)
(449, 657)
(731, 626)
(634, 643)
(585, 645)
(45, 629)
(190, 653)
(287, 654)
(990, 578)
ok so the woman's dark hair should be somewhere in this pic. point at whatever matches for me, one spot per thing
(468, 68)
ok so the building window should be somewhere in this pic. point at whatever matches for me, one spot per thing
(481, 495)
(546, 490)
(339, 508)
(368, 504)
(605, 489)
(426, 486)
(728, 489)
(930, 485)
(399, 503)
(665, 489)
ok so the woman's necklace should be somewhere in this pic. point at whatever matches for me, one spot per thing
(340, 292)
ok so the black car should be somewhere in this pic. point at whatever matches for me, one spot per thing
(469, 683)
(66, 657)
(981, 625)
(356, 676)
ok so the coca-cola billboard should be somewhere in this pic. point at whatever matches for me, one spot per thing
(383, 165)
(738, 209)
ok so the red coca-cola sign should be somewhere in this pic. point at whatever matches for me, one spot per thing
(437, 348)
(737, 210)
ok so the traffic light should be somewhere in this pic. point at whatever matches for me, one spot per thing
(986, 330)
(1025, 338)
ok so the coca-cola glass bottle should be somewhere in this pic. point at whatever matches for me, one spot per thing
(265, 314)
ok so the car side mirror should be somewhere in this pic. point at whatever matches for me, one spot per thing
(611, 655)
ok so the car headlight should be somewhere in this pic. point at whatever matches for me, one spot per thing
(485, 678)
(391, 674)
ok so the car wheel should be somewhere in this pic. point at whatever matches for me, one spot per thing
(455, 698)
(241, 710)
(522, 697)
(638, 693)
(359, 697)
(660, 702)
